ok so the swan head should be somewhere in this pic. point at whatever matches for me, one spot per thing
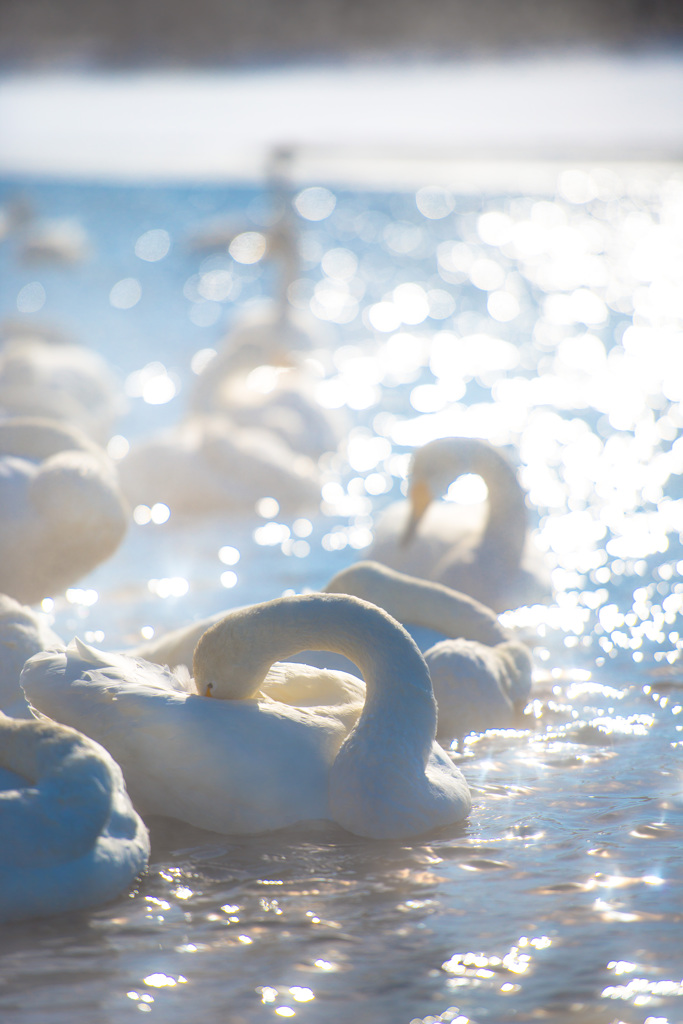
(227, 663)
(437, 464)
(233, 656)
(433, 469)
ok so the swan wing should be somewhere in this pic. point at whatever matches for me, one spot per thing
(230, 766)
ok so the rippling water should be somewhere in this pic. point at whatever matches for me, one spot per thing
(548, 322)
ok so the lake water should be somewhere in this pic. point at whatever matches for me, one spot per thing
(548, 321)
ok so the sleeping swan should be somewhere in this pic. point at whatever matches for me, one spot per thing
(61, 511)
(69, 837)
(483, 552)
(480, 675)
(226, 759)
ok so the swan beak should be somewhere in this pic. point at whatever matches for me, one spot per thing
(209, 688)
(420, 497)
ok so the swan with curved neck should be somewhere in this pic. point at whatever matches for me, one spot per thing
(61, 511)
(247, 763)
(69, 837)
(419, 602)
(481, 676)
(433, 610)
(487, 556)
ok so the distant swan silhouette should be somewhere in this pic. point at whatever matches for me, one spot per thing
(485, 555)
(246, 764)
(207, 465)
(266, 370)
(69, 837)
(61, 510)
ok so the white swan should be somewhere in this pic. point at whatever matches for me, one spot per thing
(61, 510)
(481, 676)
(207, 464)
(260, 375)
(23, 633)
(429, 611)
(277, 398)
(246, 764)
(69, 837)
(43, 375)
(485, 552)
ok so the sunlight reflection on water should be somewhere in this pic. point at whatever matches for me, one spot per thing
(548, 324)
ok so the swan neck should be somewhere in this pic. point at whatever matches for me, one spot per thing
(419, 602)
(506, 522)
(233, 657)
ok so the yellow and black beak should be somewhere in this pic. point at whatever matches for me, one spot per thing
(420, 497)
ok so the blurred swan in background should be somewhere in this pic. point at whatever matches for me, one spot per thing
(56, 240)
(277, 398)
(244, 763)
(70, 838)
(23, 633)
(207, 464)
(481, 676)
(61, 510)
(484, 551)
(43, 375)
(268, 366)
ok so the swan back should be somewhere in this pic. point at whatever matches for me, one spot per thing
(60, 508)
(478, 687)
(209, 464)
(70, 837)
(68, 382)
(229, 765)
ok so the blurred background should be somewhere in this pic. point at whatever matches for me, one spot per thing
(215, 33)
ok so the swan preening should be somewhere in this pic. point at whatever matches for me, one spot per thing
(481, 675)
(240, 762)
(61, 510)
(482, 552)
(69, 837)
